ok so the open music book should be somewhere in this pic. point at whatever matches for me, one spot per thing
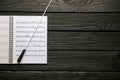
(15, 32)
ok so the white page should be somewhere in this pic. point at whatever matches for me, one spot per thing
(23, 28)
(4, 39)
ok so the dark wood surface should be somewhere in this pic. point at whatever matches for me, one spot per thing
(53, 75)
(61, 5)
(83, 40)
(71, 61)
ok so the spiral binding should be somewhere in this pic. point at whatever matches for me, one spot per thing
(10, 39)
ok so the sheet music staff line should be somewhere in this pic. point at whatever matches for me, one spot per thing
(24, 50)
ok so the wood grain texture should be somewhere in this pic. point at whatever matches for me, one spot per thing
(61, 5)
(60, 75)
(84, 21)
(79, 21)
(70, 37)
(83, 41)
(71, 61)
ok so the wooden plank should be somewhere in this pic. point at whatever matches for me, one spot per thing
(61, 5)
(79, 21)
(84, 21)
(72, 61)
(60, 75)
(83, 41)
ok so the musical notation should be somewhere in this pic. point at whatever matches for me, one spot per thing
(23, 27)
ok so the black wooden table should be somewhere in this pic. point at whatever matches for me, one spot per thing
(83, 40)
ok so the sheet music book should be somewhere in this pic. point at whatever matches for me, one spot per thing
(15, 32)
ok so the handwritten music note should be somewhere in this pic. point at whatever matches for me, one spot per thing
(23, 28)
